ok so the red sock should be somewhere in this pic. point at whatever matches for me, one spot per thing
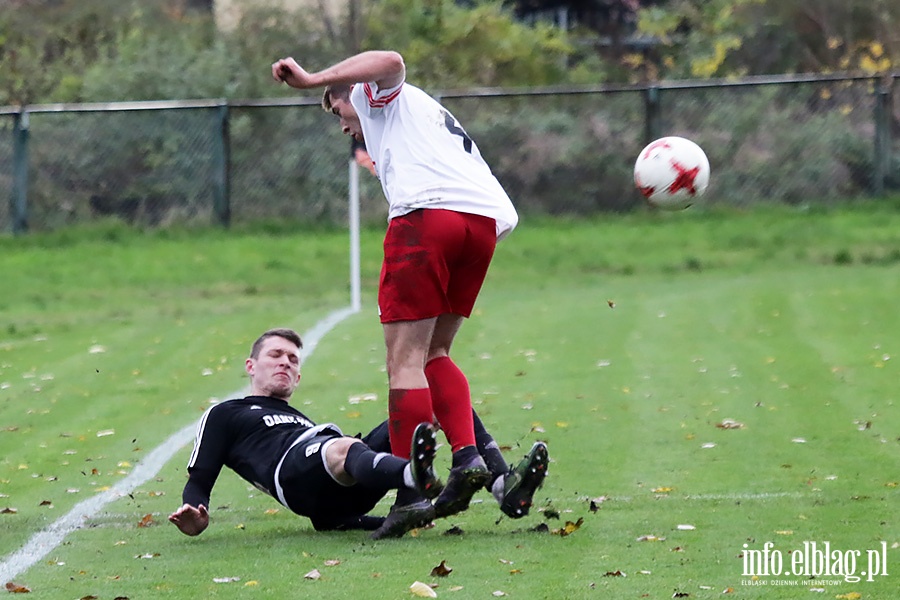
(406, 409)
(452, 401)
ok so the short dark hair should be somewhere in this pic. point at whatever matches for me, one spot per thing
(282, 332)
(340, 91)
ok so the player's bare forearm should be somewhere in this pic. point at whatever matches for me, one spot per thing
(385, 67)
(190, 520)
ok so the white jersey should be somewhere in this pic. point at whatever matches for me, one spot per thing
(424, 158)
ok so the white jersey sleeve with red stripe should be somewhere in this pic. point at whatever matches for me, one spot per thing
(424, 158)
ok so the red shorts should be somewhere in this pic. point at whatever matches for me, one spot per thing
(434, 263)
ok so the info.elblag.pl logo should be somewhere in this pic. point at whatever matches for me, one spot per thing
(814, 560)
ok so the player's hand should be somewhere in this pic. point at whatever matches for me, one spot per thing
(190, 520)
(288, 71)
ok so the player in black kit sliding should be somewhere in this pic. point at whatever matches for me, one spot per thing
(315, 470)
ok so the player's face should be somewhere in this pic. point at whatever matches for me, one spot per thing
(276, 371)
(349, 119)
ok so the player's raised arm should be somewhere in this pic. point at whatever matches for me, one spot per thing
(384, 67)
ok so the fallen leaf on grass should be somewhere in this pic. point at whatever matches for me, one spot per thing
(225, 579)
(596, 502)
(422, 590)
(729, 424)
(442, 570)
(313, 575)
(571, 527)
(9, 511)
(650, 538)
(550, 513)
(455, 530)
(146, 521)
(15, 588)
(616, 573)
(332, 562)
(662, 490)
(849, 596)
(148, 555)
(498, 594)
(685, 527)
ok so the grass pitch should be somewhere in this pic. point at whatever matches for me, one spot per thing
(706, 382)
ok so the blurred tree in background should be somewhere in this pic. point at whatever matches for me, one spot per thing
(717, 38)
(448, 45)
(105, 50)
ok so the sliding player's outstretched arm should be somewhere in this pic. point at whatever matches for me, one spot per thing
(204, 466)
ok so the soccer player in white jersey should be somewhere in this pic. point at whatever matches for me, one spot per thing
(446, 213)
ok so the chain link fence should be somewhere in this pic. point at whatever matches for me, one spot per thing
(797, 140)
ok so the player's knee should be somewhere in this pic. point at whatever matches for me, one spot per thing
(336, 458)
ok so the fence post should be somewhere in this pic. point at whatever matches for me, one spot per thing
(18, 202)
(651, 114)
(222, 167)
(882, 157)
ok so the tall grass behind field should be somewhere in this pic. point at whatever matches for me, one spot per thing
(628, 343)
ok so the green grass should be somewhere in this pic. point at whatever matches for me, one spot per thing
(781, 320)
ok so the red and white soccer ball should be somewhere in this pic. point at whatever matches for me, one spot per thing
(671, 173)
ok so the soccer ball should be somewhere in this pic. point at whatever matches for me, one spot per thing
(671, 173)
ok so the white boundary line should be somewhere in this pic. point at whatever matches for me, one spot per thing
(43, 542)
(737, 496)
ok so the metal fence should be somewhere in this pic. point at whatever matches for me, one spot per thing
(790, 139)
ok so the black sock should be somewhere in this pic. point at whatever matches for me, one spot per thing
(379, 438)
(489, 450)
(407, 495)
(464, 455)
(366, 522)
(374, 469)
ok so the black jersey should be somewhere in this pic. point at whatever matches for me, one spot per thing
(249, 436)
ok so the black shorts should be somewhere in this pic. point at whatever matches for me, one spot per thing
(311, 491)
